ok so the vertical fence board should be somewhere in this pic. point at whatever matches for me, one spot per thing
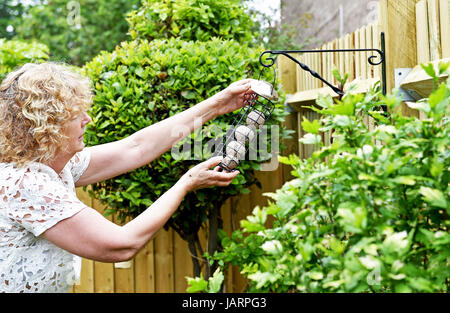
(103, 272)
(349, 57)
(433, 27)
(342, 55)
(287, 73)
(368, 30)
(444, 18)
(317, 68)
(358, 55)
(363, 58)
(182, 263)
(240, 212)
(423, 50)
(291, 144)
(124, 279)
(299, 73)
(86, 281)
(376, 45)
(124, 275)
(398, 22)
(324, 60)
(226, 218)
(164, 261)
(145, 268)
(86, 284)
(309, 84)
(330, 61)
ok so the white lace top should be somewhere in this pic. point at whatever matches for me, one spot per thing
(33, 199)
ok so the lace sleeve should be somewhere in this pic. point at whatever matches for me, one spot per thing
(79, 163)
(39, 203)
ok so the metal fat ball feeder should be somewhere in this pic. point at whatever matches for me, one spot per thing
(255, 118)
(236, 149)
(244, 134)
(257, 109)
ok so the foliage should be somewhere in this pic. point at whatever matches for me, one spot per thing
(368, 213)
(14, 53)
(212, 285)
(191, 20)
(76, 31)
(10, 10)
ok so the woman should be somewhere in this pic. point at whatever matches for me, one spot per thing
(44, 227)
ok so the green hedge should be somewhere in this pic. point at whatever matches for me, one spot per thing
(191, 20)
(14, 53)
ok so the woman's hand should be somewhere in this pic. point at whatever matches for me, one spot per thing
(201, 176)
(232, 97)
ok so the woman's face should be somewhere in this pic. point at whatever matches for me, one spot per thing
(74, 130)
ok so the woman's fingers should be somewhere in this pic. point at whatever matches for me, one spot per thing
(242, 87)
(224, 176)
(203, 176)
(212, 162)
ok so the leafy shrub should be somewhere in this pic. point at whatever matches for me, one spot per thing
(141, 83)
(191, 20)
(76, 31)
(368, 213)
(14, 53)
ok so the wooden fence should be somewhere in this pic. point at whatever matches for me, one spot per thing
(416, 32)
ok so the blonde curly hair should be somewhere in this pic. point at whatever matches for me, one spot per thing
(36, 101)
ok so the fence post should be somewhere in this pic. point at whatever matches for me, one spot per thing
(288, 76)
(398, 21)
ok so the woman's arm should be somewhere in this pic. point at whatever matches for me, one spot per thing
(115, 158)
(90, 235)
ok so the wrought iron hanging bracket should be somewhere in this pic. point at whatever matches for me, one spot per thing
(338, 90)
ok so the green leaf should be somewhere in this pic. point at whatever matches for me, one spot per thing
(433, 196)
(396, 243)
(420, 284)
(341, 120)
(436, 167)
(336, 245)
(188, 94)
(286, 201)
(405, 180)
(379, 116)
(439, 99)
(215, 282)
(262, 278)
(196, 284)
(311, 139)
(316, 275)
(251, 227)
(443, 66)
(310, 127)
(346, 106)
(429, 69)
(353, 217)
(324, 101)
